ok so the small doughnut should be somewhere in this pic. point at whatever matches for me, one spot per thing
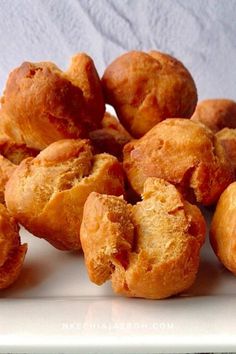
(149, 250)
(146, 88)
(183, 152)
(41, 104)
(46, 194)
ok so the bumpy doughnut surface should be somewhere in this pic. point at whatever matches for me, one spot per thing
(146, 88)
(222, 232)
(46, 194)
(216, 114)
(148, 250)
(12, 253)
(42, 104)
(183, 152)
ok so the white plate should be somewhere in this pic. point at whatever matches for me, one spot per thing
(53, 308)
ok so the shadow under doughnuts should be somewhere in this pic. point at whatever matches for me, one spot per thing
(208, 278)
(31, 275)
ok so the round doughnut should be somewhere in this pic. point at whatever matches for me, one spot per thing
(146, 88)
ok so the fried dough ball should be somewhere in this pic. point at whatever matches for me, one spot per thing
(111, 137)
(183, 152)
(148, 250)
(6, 170)
(46, 194)
(42, 104)
(216, 114)
(227, 137)
(12, 253)
(222, 232)
(146, 88)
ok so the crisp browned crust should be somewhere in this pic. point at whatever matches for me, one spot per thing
(223, 226)
(183, 152)
(145, 88)
(216, 114)
(41, 104)
(111, 137)
(148, 250)
(12, 253)
(83, 74)
(46, 194)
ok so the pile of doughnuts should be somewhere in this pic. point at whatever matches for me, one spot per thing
(126, 191)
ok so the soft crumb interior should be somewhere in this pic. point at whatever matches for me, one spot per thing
(108, 237)
(160, 226)
(44, 181)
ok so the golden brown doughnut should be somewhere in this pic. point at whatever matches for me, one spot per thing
(111, 137)
(145, 88)
(216, 114)
(149, 250)
(222, 232)
(12, 253)
(42, 104)
(46, 194)
(183, 152)
(227, 137)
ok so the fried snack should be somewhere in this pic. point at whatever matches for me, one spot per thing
(42, 104)
(6, 170)
(146, 88)
(149, 250)
(222, 232)
(12, 253)
(183, 152)
(46, 194)
(216, 114)
(227, 137)
(111, 137)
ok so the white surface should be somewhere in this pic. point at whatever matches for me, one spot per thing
(202, 33)
(53, 308)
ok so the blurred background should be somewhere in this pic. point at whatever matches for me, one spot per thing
(201, 33)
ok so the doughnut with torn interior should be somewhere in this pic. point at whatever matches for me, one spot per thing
(46, 194)
(149, 250)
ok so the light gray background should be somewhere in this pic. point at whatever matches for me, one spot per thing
(201, 33)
